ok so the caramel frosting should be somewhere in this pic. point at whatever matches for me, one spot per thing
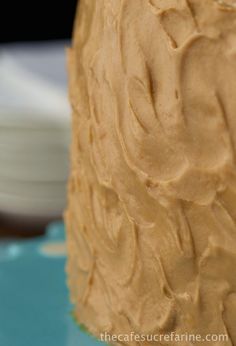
(152, 195)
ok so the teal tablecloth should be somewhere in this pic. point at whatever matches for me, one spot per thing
(34, 303)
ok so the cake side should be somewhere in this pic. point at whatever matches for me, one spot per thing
(151, 217)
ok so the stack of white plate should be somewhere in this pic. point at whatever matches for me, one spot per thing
(34, 131)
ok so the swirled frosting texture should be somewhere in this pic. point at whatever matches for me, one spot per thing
(152, 196)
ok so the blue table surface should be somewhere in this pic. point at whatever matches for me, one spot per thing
(34, 299)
